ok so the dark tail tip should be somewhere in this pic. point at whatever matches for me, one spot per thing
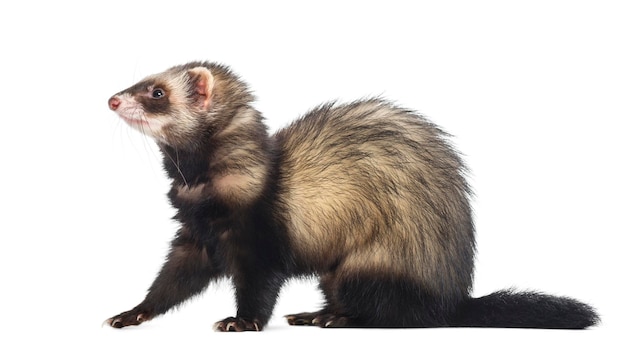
(526, 310)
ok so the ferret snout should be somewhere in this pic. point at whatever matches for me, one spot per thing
(114, 103)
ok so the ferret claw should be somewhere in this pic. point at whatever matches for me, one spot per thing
(129, 318)
(237, 325)
(320, 319)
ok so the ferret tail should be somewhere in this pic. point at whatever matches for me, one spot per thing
(512, 309)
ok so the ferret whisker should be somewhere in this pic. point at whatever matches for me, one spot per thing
(177, 165)
(149, 149)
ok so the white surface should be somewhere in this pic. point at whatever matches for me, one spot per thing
(534, 94)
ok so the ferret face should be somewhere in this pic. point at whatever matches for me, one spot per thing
(170, 107)
(144, 107)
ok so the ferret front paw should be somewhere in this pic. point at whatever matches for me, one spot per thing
(235, 324)
(129, 318)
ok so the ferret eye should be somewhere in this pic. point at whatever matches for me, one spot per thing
(158, 93)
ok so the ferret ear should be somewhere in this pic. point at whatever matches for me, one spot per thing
(203, 80)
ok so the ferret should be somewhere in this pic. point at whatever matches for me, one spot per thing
(367, 196)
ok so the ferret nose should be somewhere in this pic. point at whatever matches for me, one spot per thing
(114, 103)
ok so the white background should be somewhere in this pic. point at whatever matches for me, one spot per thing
(533, 92)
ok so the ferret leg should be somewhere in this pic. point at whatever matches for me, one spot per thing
(331, 315)
(375, 301)
(256, 294)
(379, 301)
(186, 273)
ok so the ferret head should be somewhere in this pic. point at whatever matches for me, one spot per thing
(183, 105)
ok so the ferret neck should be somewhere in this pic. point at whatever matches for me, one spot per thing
(186, 167)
